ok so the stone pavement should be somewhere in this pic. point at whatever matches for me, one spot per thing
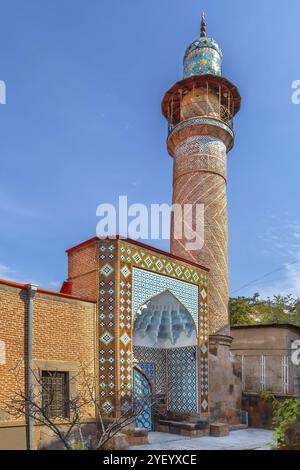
(245, 439)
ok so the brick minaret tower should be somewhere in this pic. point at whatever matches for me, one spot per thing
(200, 109)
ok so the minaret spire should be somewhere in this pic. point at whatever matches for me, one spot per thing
(203, 26)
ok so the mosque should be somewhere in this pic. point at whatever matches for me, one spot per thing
(151, 322)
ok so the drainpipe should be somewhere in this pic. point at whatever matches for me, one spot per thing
(31, 291)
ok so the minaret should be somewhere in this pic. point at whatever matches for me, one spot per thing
(199, 110)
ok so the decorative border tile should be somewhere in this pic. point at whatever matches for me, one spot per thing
(107, 326)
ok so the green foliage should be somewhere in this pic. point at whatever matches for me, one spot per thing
(266, 395)
(286, 413)
(254, 310)
(78, 446)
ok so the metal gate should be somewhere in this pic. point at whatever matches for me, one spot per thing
(142, 397)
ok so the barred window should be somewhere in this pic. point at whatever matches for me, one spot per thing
(55, 393)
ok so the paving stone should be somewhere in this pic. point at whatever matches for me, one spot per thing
(243, 439)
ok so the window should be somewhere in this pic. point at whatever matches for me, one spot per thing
(55, 393)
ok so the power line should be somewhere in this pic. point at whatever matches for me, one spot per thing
(265, 275)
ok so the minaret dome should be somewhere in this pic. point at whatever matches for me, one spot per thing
(203, 56)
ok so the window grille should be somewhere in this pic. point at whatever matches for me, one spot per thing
(55, 393)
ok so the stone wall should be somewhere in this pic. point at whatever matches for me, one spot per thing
(225, 384)
(260, 410)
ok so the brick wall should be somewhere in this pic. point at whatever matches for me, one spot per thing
(83, 266)
(64, 330)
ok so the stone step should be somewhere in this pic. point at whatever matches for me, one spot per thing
(237, 427)
(219, 429)
(184, 424)
(197, 429)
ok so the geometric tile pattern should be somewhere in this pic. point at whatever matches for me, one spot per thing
(200, 63)
(200, 120)
(149, 369)
(176, 374)
(120, 266)
(182, 379)
(147, 357)
(142, 391)
(147, 285)
(204, 152)
(106, 321)
(203, 56)
(131, 257)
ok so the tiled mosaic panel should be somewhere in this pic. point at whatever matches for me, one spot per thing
(156, 358)
(149, 369)
(204, 62)
(199, 120)
(125, 334)
(106, 321)
(147, 285)
(142, 397)
(134, 257)
(177, 366)
(158, 263)
(203, 42)
(203, 152)
(203, 56)
(182, 380)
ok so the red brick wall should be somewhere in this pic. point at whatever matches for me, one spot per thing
(83, 265)
(64, 329)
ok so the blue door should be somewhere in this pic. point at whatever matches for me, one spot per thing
(142, 396)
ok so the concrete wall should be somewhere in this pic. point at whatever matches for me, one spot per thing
(265, 354)
(262, 339)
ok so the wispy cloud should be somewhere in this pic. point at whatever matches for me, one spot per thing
(54, 284)
(5, 271)
(283, 239)
(11, 275)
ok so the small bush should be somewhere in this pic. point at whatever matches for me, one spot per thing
(286, 414)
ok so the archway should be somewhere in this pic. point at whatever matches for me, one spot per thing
(164, 346)
(142, 397)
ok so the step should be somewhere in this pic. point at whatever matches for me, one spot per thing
(237, 427)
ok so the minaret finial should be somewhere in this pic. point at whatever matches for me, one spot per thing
(203, 26)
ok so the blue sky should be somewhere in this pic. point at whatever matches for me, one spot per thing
(82, 125)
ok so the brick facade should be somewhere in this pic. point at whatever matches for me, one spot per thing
(64, 330)
(83, 267)
(106, 273)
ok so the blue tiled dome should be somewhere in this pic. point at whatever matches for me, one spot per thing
(203, 56)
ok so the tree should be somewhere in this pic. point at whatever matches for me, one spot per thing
(254, 310)
(71, 431)
(241, 311)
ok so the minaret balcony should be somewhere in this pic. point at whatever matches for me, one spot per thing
(207, 99)
(202, 109)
